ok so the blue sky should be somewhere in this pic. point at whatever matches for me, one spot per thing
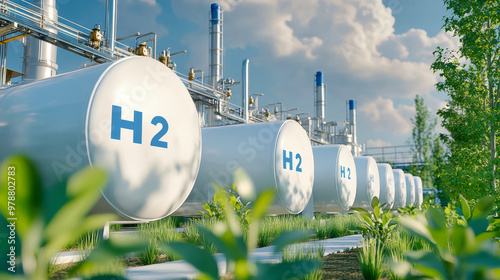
(377, 52)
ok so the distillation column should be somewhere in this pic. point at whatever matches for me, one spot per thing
(40, 57)
(215, 44)
(320, 99)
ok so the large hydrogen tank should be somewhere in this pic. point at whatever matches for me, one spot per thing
(387, 188)
(419, 193)
(132, 117)
(276, 155)
(368, 182)
(410, 190)
(400, 189)
(335, 178)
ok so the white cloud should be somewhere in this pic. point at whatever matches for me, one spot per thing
(139, 16)
(351, 41)
(377, 143)
(384, 116)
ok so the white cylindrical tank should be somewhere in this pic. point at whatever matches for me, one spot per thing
(400, 189)
(387, 188)
(410, 190)
(133, 117)
(368, 182)
(419, 194)
(275, 155)
(335, 179)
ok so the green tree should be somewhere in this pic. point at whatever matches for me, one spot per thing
(438, 163)
(471, 78)
(423, 137)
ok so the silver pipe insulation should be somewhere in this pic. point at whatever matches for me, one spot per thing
(352, 121)
(215, 44)
(40, 57)
(245, 89)
(111, 32)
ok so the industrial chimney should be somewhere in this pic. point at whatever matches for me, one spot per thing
(215, 44)
(40, 57)
(352, 122)
(245, 88)
(319, 103)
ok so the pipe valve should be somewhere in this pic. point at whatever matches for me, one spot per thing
(96, 37)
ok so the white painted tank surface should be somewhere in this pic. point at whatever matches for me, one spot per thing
(132, 117)
(410, 190)
(368, 182)
(335, 179)
(276, 155)
(387, 188)
(419, 193)
(400, 189)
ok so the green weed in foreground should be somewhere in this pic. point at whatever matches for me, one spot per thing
(150, 254)
(50, 217)
(229, 239)
(463, 250)
(377, 225)
(312, 254)
(371, 258)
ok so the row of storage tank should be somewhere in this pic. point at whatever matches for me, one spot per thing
(135, 119)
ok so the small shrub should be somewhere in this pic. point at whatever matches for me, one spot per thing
(150, 254)
(51, 217)
(409, 211)
(228, 236)
(370, 259)
(377, 225)
(88, 241)
(462, 250)
(214, 209)
(312, 254)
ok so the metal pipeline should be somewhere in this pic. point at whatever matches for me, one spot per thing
(111, 17)
(245, 88)
(40, 57)
(352, 121)
(215, 44)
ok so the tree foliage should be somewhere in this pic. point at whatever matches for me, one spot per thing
(471, 78)
(423, 137)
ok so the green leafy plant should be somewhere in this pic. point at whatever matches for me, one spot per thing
(214, 209)
(228, 237)
(371, 258)
(409, 210)
(150, 254)
(49, 218)
(312, 254)
(450, 212)
(463, 250)
(377, 225)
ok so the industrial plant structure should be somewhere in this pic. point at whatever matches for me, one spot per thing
(166, 138)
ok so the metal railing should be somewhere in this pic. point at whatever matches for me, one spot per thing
(400, 155)
(61, 32)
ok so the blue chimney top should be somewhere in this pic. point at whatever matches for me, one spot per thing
(319, 78)
(352, 104)
(215, 12)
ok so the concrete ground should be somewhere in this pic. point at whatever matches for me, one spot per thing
(183, 270)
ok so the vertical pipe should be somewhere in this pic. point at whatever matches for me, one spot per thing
(112, 25)
(245, 88)
(40, 57)
(320, 98)
(154, 46)
(215, 44)
(3, 69)
(352, 117)
(106, 23)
